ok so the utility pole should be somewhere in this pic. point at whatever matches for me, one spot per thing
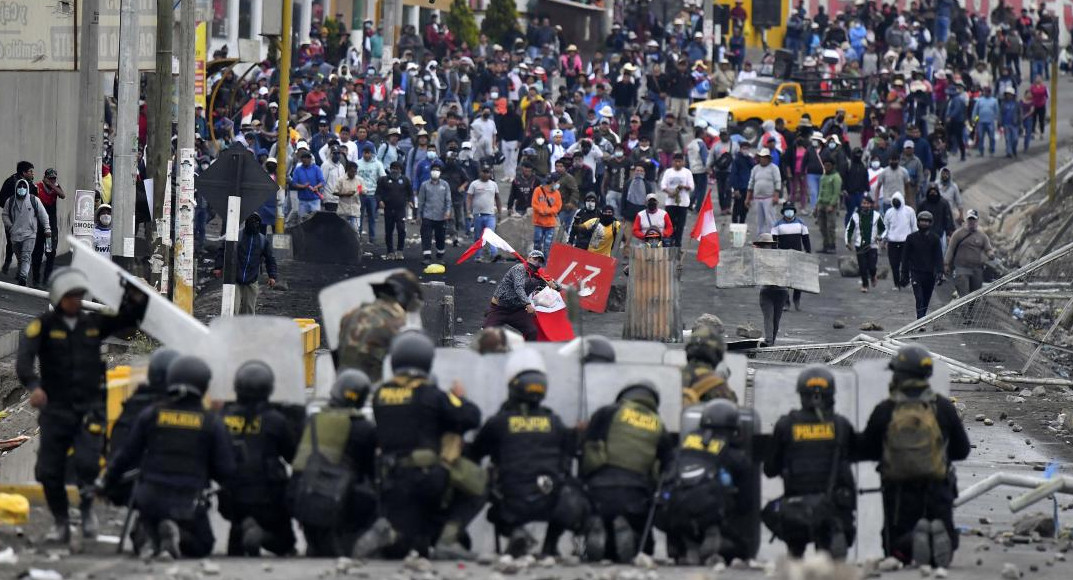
(183, 258)
(284, 134)
(1052, 161)
(89, 104)
(125, 148)
(161, 88)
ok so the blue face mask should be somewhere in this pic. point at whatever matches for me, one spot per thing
(789, 214)
(431, 154)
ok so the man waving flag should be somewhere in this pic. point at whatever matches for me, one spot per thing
(707, 234)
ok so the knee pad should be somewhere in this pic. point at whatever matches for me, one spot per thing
(571, 510)
(942, 545)
(921, 543)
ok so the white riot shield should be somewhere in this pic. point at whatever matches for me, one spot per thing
(747, 267)
(342, 297)
(163, 320)
(325, 376)
(273, 340)
(604, 381)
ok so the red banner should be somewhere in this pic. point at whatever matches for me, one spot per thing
(592, 274)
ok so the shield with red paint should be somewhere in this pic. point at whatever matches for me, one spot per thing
(592, 274)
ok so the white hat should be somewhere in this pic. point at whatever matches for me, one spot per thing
(467, 145)
(557, 133)
(273, 104)
(301, 145)
(418, 120)
(763, 152)
(655, 197)
(606, 111)
(262, 91)
(698, 34)
(539, 70)
(810, 61)
(652, 43)
(1009, 91)
(908, 144)
(817, 136)
(571, 48)
(711, 131)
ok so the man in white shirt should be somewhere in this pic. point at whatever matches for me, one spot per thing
(484, 133)
(677, 185)
(334, 170)
(900, 221)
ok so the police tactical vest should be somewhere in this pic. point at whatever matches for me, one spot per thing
(333, 431)
(407, 415)
(257, 464)
(531, 446)
(633, 438)
(699, 460)
(810, 452)
(179, 443)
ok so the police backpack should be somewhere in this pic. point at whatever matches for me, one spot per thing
(913, 447)
(322, 489)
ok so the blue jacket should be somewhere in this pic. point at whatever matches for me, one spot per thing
(956, 109)
(251, 250)
(1011, 113)
(986, 110)
(422, 172)
(740, 169)
(311, 176)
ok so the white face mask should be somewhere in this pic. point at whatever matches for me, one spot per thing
(590, 205)
(540, 141)
(435, 174)
(22, 192)
(875, 165)
(106, 220)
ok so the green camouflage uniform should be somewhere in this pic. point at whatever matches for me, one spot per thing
(365, 336)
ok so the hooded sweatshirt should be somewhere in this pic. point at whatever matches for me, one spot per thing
(22, 216)
(899, 221)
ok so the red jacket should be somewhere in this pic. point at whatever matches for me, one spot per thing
(645, 220)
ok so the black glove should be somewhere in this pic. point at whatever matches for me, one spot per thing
(132, 294)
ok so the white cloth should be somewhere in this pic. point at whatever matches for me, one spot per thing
(677, 185)
(900, 222)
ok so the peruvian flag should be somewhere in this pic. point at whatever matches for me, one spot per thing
(706, 232)
(552, 319)
(247, 112)
(489, 237)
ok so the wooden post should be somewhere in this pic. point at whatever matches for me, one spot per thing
(438, 312)
(653, 311)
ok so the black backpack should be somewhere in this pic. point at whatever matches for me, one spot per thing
(322, 488)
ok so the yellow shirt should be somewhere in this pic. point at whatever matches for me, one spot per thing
(603, 237)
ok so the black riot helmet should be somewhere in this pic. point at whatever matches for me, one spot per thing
(528, 387)
(911, 362)
(816, 385)
(157, 374)
(188, 375)
(705, 346)
(720, 415)
(643, 390)
(598, 349)
(412, 352)
(254, 381)
(350, 389)
(403, 287)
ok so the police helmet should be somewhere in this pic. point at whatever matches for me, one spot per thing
(912, 361)
(412, 351)
(157, 373)
(404, 287)
(66, 281)
(188, 373)
(598, 349)
(816, 380)
(254, 381)
(711, 321)
(720, 414)
(705, 346)
(641, 390)
(350, 389)
(528, 387)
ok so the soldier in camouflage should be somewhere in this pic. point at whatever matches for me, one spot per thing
(703, 379)
(366, 332)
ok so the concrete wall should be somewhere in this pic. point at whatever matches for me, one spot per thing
(39, 124)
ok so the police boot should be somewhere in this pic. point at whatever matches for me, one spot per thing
(379, 536)
(60, 533)
(709, 547)
(90, 525)
(169, 534)
(252, 537)
(942, 548)
(625, 540)
(690, 554)
(922, 543)
(520, 542)
(839, 546)
(448, 547)
(595, 540)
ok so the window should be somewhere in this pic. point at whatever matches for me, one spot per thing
(245, 27)
(787, 95)
(219, 18)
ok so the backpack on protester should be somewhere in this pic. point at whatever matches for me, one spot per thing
(913, 447)
(322, 489)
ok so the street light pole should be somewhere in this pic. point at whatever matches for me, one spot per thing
(283, 137)
(89, 104)
(125, 148)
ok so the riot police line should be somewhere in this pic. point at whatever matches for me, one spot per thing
(413, 477)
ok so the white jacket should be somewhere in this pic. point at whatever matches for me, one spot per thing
(900, 222)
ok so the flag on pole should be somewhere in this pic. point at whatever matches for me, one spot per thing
(247, 112)
(707, 234)
(489, 237)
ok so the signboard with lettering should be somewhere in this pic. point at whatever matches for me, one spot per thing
(592, 274)
(201, 51)
(83, 215)
(40, 35)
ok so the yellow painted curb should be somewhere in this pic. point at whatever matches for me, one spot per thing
(35, 493)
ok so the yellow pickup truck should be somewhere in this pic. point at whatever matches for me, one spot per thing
(754, 101)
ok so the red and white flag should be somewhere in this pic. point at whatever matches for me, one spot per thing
(708, 235)
(489, 238)
(247, 112)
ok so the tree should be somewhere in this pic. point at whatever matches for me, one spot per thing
(500, 20)
(462, 23)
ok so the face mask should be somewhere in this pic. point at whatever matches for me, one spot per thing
(540, 141)
(832, 146)
(435, 174)
(643, 147)
(652, 206)
(106, 220)
(22, 192)
(894, 165)
(789, 214)
(875, 165)
(555, 187)
(896, 203)
(431, 154)
(493, 96)
(607, 220)
(619, 154)
(590, 205)
(485, 115)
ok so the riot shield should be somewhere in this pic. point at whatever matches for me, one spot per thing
(342, 297)
(274, 340)
(163, 320)
(746, 267)
(603, 381)
(325, 376)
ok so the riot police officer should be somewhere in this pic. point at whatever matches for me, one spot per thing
(701, 491)
(419, 428)
(598, 349)
(918, 480)
(702, 380)
(812, 449)
(179, 447)
(148, 393)
(624, 448)
(254, 500)
(66, 344)
(532, 453)
(338, 445)
(365, 333)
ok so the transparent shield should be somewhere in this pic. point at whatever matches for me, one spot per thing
(342, 297)
(274, 340)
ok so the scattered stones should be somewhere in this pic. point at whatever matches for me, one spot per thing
(891, 564)
(415, 563)
(871, 325)
(838, 324)
(1037, 522)
(1040, 391)
(988, 422)
(980, 417)
(985, 521)
(1010, 572)
(1025, 393)
(1033, 568)
(1017, 428)
(644, 561)
(210, 568)
(748, 331)
(1015, 399)
(508, 565)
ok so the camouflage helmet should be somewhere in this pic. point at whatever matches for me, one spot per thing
(711, 321)
(705, 345)
(404, 287)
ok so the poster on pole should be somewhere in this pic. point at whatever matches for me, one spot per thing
(201, 52)
(83, 215)
(42, 35)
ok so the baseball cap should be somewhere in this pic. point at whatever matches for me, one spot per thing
(972, 215)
